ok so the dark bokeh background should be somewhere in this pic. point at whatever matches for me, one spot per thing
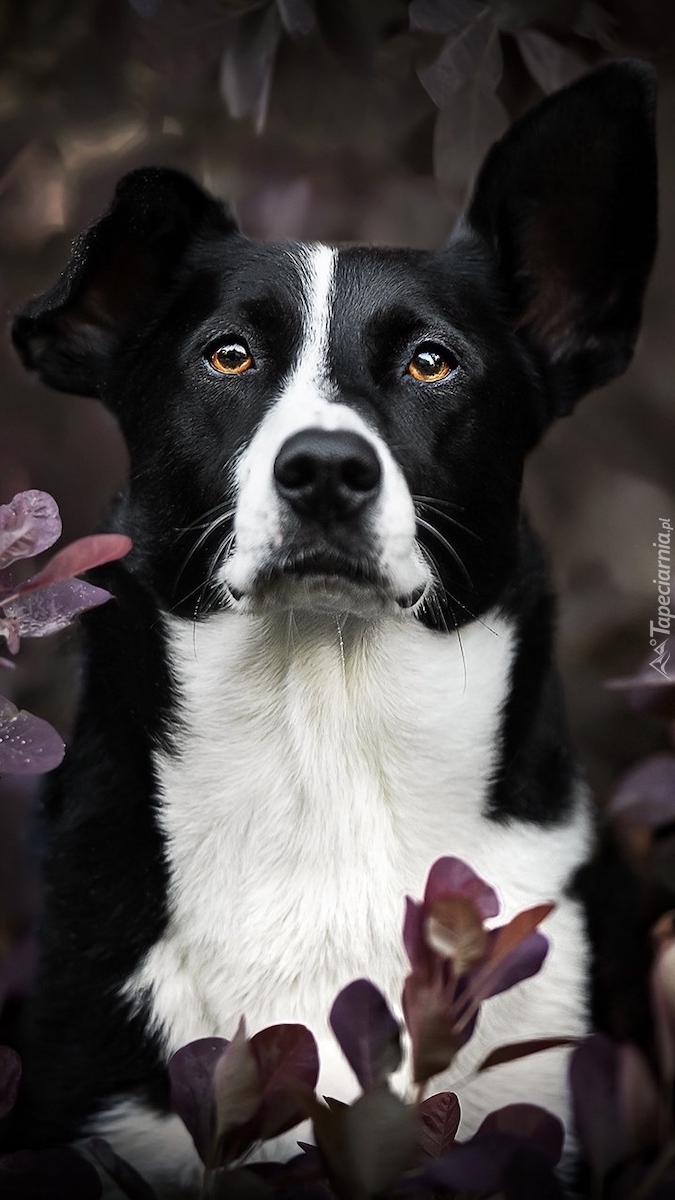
(337, 120)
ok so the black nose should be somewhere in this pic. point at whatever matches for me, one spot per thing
(327, 475)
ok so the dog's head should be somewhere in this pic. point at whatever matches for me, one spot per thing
(345, 430)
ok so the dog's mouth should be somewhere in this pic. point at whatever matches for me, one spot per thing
(326, 579)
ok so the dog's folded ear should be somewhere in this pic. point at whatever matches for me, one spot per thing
(119, 269)
(566, 201)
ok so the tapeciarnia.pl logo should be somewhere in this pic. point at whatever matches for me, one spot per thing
(661, 626)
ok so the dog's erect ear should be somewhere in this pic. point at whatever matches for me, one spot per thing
(567, 202)
(118, 270)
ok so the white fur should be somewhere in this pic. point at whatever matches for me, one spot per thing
(307, 401)
(319, 773)
(330, 749)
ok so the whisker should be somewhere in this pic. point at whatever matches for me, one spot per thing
(444, 542)
(211, 528)
(434, 566)
(447, 517)
(440, 586)
(342, 650)
(436, 500)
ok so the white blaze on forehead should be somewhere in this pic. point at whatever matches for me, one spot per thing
(317, 265)
(310, 399)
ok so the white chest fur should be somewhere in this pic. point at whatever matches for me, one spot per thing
(320, 770)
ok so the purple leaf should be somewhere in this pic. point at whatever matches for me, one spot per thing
(79, 556)
(381, 1139)
(438, 16)
(287, 1059)
(638, 1099)
(472, 55)
(535, 1125)
(296, 16)
(453, 875)
(439, 1118)
(516, 1050)
(248, 63)
(10, 1077)
(28, 745)
(498, 975)
(474, 1166)
(39, 614)
(645, 796)
(7, 662)
(9, 629)
(421, 957)
(367, 1031)
(29, 524)
(466, 126)
(238, 1093)
(550, 64)
(48, 1175)
(528, 1176)
(191, 1071)
(430, 1019)
(594, 1080)
(122, 1173)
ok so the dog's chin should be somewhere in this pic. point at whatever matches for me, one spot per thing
(322, 593)
(317, 591)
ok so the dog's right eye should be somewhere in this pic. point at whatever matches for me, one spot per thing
(232, 358)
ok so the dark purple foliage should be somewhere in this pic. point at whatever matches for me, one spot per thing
(52, 608)
(477, 1165)
(248, 63)
(39, 606)
(191, 1070)
(453, 876)
(645, 796)
(439, 1118)
(125, 1176)
(516, 1146)
(367, 1031)
(457, 963)
(60, 1174)
(28, 745)
(593, 1072)
(287, 1061)
(10, 1077)
(540, 1128)
(232, 1094)
(29, 524)
(528, 1176)
(82, 555)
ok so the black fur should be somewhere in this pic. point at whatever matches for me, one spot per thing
(537, 295)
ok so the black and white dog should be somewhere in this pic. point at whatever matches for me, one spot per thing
(329, 660)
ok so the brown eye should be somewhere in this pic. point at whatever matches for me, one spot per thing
(232, 358)
(430, 363)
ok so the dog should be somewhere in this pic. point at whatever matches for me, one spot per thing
(329, 660)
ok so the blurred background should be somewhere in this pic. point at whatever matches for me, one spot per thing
(344, 120)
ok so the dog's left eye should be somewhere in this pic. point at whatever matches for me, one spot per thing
(430, 363)
(232, 358)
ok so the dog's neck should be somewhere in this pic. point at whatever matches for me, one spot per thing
(317, 717)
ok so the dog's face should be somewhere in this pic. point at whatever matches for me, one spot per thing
(345, 430)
